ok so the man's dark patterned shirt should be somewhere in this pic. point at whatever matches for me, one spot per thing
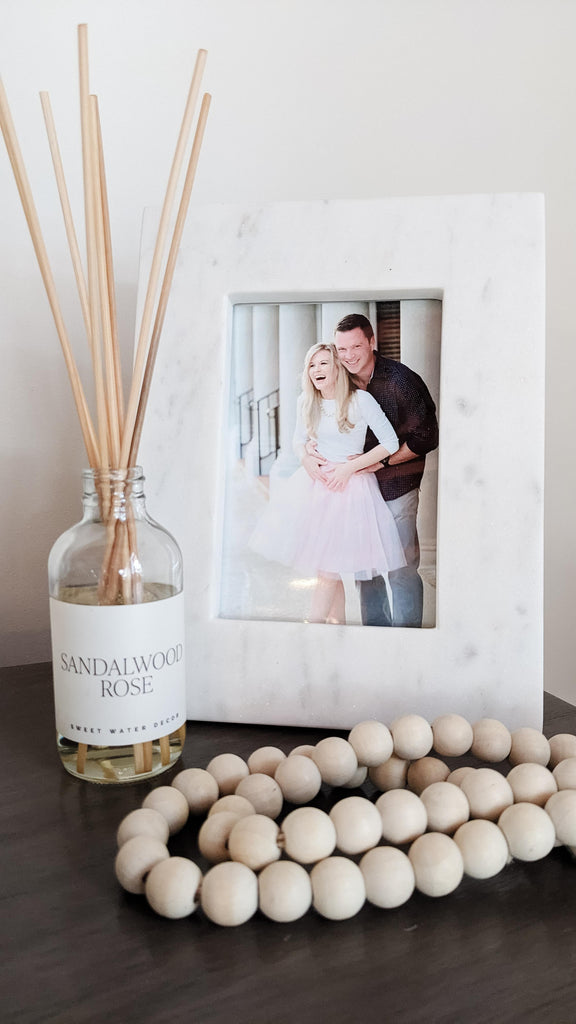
(405, 399)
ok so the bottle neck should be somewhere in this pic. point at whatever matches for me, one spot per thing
(113, 493)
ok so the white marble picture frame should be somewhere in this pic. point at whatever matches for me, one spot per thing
(483, 257)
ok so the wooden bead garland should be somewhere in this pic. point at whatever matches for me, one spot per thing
(491, 740)
(172, 805)
(452, 735)
(136, 858)
(263, 792)
(309, 835)
(446, 806)
(299, 779)
(228, 770)
(214, 835)
(285, 891)
(437, 862)
(372, 743)
(425, 771)
(565, 773)
(229, 894)
(483, 847)
(562, 746)
(338, 889)
(403, 816)
(358, 825)
(528, 830)
(469, 821)
(412, 737)
(171, 887)
(143, 822)
(532, 783)
(388, 877)
(392, 774)
(487, 792)
(253, 841)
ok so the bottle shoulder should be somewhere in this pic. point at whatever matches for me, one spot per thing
(137, 550)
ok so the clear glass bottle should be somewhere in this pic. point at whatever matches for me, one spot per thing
(117, 623)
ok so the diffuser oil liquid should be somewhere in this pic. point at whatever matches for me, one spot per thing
(106, 764)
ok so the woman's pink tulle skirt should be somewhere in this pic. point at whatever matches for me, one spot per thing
(315, 530)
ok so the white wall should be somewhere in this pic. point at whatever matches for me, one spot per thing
(312, 99)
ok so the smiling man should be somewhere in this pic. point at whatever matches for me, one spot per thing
(407, 403)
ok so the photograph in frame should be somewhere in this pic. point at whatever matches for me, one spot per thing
(480, 259)
(274, 518)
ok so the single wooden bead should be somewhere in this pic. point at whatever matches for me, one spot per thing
(229, 894)
(483, 847)
(199, 787)
(562, 746)
(305, 749)
(358, 825)
(372, 743)
(390, 775)
(254, 841)
(531, 783)
(403, 816)
(285, 891)
(425, 771)
(452, 735)
(299, 778)
(412, 737)
(388, 877)
(228, 769)
(214, 835)
(437, 862)
(561, 808)
(233, 804)
(135, 859)
(492, 740)
(358, 779)
(172, 805)
(565, 773)
(308, 835)
(528, 830)
(263, 792)
(458, 774)
(143, 822)
(336, 760)
(446, 807)
(172, 887)
(265, 760)
(338, 890)
(529, 745)
(488, 793)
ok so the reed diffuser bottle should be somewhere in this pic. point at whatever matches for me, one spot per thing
(116, 602)
(117, 621)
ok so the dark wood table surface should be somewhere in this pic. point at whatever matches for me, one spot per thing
(75, 948)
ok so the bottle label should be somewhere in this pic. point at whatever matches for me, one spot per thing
(118, 671)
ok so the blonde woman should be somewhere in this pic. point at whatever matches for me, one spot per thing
(338, 522)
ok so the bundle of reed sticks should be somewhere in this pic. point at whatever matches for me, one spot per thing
(112, 438)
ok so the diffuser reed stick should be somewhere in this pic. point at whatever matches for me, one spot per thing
(66, 209)
(23, 185)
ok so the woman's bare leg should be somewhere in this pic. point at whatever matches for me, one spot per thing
(327, 600)
(337, 613)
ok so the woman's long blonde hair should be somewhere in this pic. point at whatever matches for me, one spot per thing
(312, 398)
